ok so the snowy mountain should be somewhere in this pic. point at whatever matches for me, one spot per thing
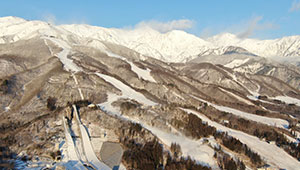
(85, 97)
(173, 46)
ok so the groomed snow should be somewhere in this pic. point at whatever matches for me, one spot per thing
(261, 119)
(145, 74)
(127, 92)
(287, 99)
(255, 98)
(69, 65)
(236, 63)
(87, 146)
(72, 154)
(272, 154)
(79, 89)
(202, 153)
(198, 151)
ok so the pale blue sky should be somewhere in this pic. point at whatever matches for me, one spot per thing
(247, 18)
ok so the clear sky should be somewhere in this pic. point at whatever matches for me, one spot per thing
(246, 18)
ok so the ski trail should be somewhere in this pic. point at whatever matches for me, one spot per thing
(127, 92)
(196, 149)
(51, 52)
(75, 161)
(79, 89)
(270, 152)
(73, 156)
(87, 146)
(69, 65)
(261, 119)
(144, 74)
(234, 77)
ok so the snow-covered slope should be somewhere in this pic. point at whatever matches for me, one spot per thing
(270, 152)
(173, 46)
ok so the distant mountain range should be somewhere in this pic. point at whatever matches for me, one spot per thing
(173, 46)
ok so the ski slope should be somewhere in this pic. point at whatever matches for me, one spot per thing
(127, 92)
(236, 63)
(145, 74)
(272, 154)
(69, 65)
(287, 99)
(196, 149)
(202, 153)
(261, 119)
(87, 146)
(79, 89)
(73, 156)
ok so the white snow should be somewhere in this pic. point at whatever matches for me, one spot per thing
(72, 153)
(255, 97)
(72, 158)
(272, 154)
(7, 108)
(107, 106)
(237, 97)
(122, 167)
(236, 63)
(177, 95)
(173, 46)
(261, 119)
(202, 153)
(250, 68)
(79, 89)
(50, 50)
(127, 92)
(69, 65)
(179, 46)
(145, 74)
(291, 139)
(87, 146)
(287, 99)
(196, 149)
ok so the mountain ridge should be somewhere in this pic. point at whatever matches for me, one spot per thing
(173, 46)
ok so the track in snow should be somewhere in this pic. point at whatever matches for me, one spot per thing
(87, 146)
(127, 92)
(73, 156)
(69, 65)
(270, 152)
(261, 119)
(145, 74)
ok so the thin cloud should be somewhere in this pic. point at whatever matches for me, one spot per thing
(182, 24)
(206, 32)
(50, 18)
(255, 25)
(295, 6)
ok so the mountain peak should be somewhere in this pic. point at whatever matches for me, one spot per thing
(173, 46)
(11, 20)
(224, 37)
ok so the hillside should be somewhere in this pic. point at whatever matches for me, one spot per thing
(86, 97)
